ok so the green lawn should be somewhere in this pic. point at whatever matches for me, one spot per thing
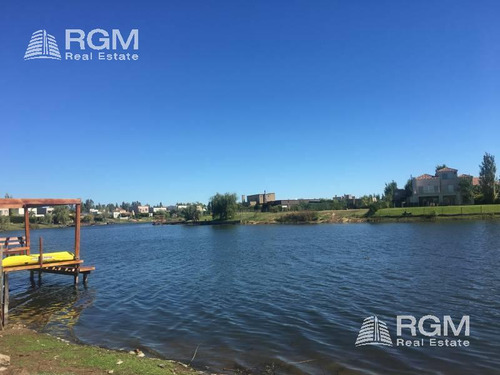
(35, 353)
(323, 216)
(440, 210)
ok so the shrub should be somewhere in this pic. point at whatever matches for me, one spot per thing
(88, 218)
(298, 217)
(275, 209)
(4, 222)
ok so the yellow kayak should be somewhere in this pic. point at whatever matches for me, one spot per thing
(25, 260)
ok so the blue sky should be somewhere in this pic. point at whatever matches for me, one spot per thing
(303, 98)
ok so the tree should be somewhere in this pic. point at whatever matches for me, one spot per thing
(134, 206)
(440, 166)
(487, 178)
(389, 191)
(191, 212)
(89, 203)
(223, 207)
(4, 222)
(61, 215)
(48, 218)
(126, 206)
(466, 189)
(409, 188)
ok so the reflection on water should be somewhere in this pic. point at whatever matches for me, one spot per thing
(276, 299)
(54, 305)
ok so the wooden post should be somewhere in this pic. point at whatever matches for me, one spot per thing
(1, 287)
(40, 259)
(27, 229)
(77, 231)
(40, 250)
(5, 312)
(4, 295)
(77, 240)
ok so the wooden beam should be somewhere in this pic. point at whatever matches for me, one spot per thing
(1, 286)
(37, 266)
(36, 202)
(27, 228)
(78, 209)
(40, 251)
(5, 297)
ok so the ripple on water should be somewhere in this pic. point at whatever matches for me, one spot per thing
(290, 299)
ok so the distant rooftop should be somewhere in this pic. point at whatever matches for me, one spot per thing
(446, 169)
(425, 177)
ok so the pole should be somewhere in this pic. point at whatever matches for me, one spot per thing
(27, 229)
(78, 208)
(77, 231)
(40, 260)
(1, 287)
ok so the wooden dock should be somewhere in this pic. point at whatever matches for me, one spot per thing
(21, 245)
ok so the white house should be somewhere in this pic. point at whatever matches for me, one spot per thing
(159, 209)
(119, 212)
(17, 211)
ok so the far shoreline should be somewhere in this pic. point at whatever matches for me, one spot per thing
(266, 218)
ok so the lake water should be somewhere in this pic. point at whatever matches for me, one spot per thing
(283, 298)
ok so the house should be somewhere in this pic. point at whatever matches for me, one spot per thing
(119, 213)
(160, 210)
(255, 199)
(45, 210)
(95, 211)
(285, 203)
(399, 198)
(475, 180)
(17, 211)
(142, 210)
(182, 206)
(4, 212)
(439, 189)
(350, 200)
(289, 203)
(36, 212)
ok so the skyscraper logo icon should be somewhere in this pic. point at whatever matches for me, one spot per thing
(42, 46)
(373, 332)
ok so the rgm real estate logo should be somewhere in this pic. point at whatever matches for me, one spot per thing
(97, 44)
(428, 331)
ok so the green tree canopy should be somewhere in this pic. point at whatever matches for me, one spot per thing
(191, 212)
(409, 188)
(466, 189)
(487, 178)
(89, 203)
(223, 206)
(61, 215)
(389, 191)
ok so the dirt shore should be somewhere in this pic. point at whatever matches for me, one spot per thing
(36, 353)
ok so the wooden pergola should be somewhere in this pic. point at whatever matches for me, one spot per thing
(21, 245)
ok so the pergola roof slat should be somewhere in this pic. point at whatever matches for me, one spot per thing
(36, 202)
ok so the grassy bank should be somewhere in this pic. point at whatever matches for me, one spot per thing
(478, 210)
(329, 216)
(34, 353)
